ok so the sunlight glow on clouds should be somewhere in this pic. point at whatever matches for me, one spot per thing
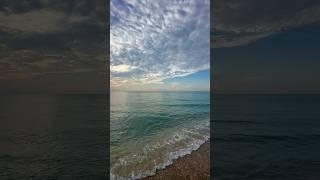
(122, 68)
(151, 41)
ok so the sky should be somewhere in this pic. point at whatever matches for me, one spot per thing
(160, 45)
(256, 46)
(265, 46)
(53, 46)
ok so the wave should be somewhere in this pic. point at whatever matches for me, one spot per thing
(160, 155)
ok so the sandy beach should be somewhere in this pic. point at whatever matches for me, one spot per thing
(194, 166)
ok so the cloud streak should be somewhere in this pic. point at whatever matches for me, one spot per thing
(238, 23)
(151, 41)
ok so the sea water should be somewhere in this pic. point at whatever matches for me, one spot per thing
(151, 129)
(272, 136)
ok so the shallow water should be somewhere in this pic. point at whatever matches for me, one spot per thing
(150, 129)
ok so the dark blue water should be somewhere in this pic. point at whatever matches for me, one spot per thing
(266, 137)
(53, 136)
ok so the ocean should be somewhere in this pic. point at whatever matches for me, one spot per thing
(266, 137)
(53, 136)
(64, 136)
(151, 129)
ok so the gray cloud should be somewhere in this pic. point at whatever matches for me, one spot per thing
(236, 23)
(39, 37)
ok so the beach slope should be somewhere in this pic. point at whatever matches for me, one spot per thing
(194, 166)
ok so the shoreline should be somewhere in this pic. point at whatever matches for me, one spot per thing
(191, 166)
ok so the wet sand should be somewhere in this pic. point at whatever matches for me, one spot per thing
(194, 166)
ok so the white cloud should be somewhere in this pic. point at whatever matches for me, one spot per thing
(122, 68)
(160, 39)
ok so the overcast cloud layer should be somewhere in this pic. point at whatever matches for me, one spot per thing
(155, 40)
(40, 37)
(237, 23)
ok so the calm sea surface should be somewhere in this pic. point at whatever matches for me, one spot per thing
(266, 137)
(150, 129)
(53, 136)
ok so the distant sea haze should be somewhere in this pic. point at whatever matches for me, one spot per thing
(151, 129)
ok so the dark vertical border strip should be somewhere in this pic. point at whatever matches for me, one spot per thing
(108, 84)
(211, 93)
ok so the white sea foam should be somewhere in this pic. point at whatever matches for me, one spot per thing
(179, 144)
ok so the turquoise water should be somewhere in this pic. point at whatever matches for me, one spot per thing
(150, 129)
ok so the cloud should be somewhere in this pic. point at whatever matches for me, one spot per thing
(237, 23)
(220, 41)
(41, 37)
(122, 68)
(40, 21)
(161, 39)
